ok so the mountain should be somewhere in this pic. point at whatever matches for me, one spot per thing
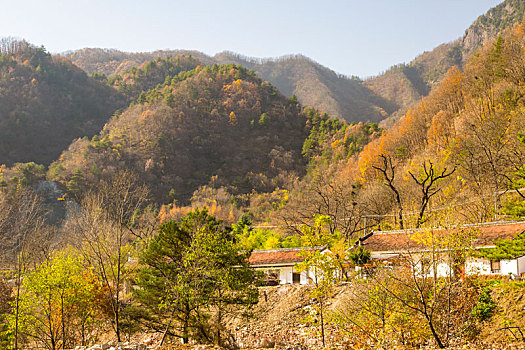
(469, 126)
(313, 84)
(492, 24)
(218, 125)
(375, 99)
(405, 84)
(45, 103)
(112, 62)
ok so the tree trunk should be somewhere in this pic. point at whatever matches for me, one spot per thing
(434, 333)
(186, 326)
(167, 327)
(117, 292)
(63, 321)
(322, 321)
(17, 303)
(219, 322)
(399, 209)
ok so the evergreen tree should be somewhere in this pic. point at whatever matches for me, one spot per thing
(505, 248)
(191, 267)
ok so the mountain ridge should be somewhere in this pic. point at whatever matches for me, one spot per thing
(385, 96)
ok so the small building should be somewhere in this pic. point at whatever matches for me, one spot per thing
(279, 265)
(397, 245)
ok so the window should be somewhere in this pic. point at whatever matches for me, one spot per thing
(495, 267)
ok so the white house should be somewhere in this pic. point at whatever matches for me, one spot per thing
(280, 264)
(397, 245)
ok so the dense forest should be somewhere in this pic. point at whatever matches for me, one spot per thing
(216, 124)
(45, 103)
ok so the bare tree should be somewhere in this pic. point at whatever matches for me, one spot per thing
(388, 170)
(12, 46)
(428, 182)
(24, 239)
(105, 224)
(337, 199)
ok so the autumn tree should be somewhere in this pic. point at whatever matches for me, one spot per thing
(327, 266)
(6, 300)
(370, 312)
(103, 228)
(57, 300)
(24, 240)
(427, 180)
(427, 281)
(324, 270)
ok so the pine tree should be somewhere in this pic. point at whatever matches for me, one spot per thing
(190, 267)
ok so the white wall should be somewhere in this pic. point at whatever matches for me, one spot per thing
(509, 266)
(286, 275)
(521, 265)
(443, 270)
(476, 266)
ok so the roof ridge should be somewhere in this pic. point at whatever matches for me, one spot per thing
(480, 224)
(277, 250)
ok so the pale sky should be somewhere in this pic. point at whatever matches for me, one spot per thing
(352, 37)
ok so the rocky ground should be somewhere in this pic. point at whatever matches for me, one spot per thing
(284, 319)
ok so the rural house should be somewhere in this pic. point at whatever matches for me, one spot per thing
(395, 245)
(279, 265)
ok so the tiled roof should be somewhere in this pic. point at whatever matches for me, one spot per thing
(484, 235)
(280, 256)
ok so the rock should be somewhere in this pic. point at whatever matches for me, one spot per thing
(100, 347)
(296, 347)
(267, 343)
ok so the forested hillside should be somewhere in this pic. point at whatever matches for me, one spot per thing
(45, 103)
(470, 129)
(313, 84)
(218, 124)
(387, 95)
(405, 84)
(136, 80)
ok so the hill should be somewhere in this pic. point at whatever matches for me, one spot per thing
(218, 124)
(405, 84)
(377, 98)
(313, 84)
(45, 103)
(470, 126)
(136, 80)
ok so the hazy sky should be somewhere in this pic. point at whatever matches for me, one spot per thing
(353, 37)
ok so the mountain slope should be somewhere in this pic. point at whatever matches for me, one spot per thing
(470, 126)
(46, 102)
(136, 80)
(317, 86)
(313, 84)
(220, 125)
(404, 85)
(388, 94)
